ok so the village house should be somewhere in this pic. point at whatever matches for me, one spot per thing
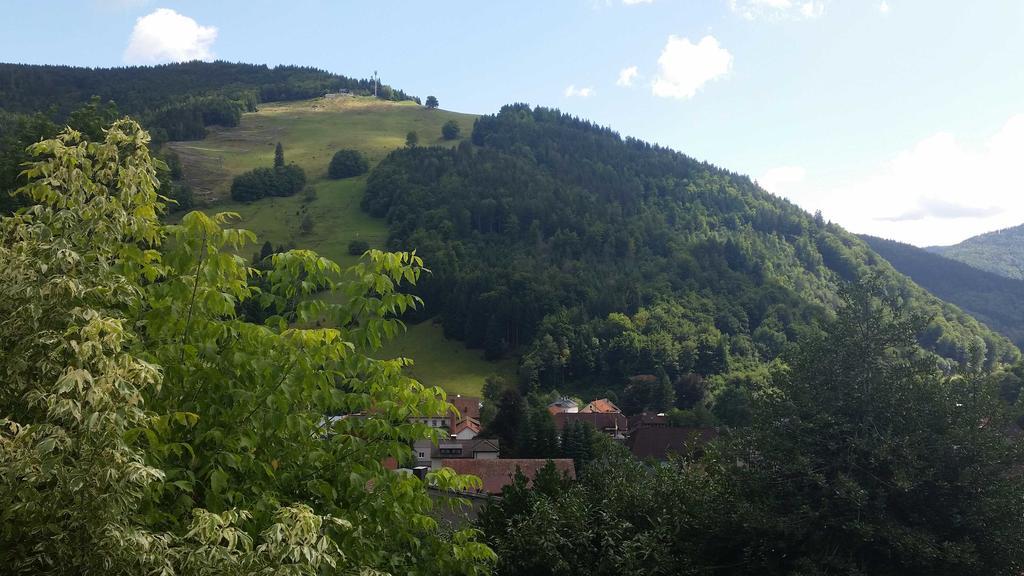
(466, 429)
(613, 424)
(467, 417)
(647, 420)
(563, 404)
(429, 454)
(601, 406)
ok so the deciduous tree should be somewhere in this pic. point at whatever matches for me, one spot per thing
(147, 429)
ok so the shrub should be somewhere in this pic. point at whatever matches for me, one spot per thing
(451, 130)
(289, 180)
(253, 185)
(262, 182)
(357, 247)
(346, 164)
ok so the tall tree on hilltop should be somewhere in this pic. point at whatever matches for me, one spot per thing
(431, 102)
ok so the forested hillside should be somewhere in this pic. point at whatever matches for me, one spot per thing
(599, 257)
(1000, 252)
(996, 300)
(138, 89)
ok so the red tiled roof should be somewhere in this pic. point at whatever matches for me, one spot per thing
(659, 443)
(496, 474)
(470, 423)
(603, 406)
(599, 420)
(468, 406)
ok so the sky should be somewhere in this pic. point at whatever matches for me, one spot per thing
(898, 118)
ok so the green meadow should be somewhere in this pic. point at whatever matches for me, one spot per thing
(311, 131)
(445, 363)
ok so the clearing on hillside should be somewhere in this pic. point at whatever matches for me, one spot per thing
(311, 131)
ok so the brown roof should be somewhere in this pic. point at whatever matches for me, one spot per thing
(464, 448)
(646, 420)
(603, 405)
(496, 474)
(659, 443)
(468, 406)
(601, 420)
(471, 423)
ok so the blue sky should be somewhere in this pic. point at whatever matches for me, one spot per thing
(902, 118)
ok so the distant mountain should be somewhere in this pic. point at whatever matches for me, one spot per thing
(1000, 252)
(995, 300)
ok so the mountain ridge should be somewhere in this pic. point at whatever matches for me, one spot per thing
(995, 300)
(1000, 252)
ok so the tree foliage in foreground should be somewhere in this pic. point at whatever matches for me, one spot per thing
(146, 429)
(861, 459)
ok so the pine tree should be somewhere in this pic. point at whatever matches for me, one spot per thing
(279, 156)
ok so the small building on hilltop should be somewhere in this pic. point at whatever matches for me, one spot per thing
(496, 474)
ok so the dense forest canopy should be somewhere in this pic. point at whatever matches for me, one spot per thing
(1000, 252)
(598, 257)
(996, 300)
(861, 458)
(139, 89)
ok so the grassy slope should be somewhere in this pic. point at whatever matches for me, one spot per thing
(311, 131)
(445, 362)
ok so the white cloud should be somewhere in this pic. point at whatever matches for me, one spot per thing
(635, 2)
(884, 7)
(940, 191)
(684, 67)
(166, 36)
(778, 9)
(572, 91)
(812, 9)
(627, 75)
(779, 178)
